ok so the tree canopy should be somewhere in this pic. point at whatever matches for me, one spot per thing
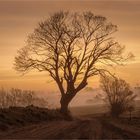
(71, 47)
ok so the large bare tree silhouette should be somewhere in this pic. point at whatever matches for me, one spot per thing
(71, 47)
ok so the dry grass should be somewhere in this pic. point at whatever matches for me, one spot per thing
(20, 116)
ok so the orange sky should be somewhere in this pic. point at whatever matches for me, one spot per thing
(18, 19)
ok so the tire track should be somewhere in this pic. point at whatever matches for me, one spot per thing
(84, 128)
(112, 131)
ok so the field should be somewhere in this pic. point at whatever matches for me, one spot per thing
(89, 110)
(89, 122)
(101, 109)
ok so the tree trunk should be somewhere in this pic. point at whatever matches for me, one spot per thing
(64, 107)
(65, 100)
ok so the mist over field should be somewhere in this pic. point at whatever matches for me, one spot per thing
(87, 97)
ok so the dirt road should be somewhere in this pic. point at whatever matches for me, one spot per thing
(87, 128)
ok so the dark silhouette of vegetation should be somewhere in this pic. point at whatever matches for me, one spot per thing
(71, 47)
(118, 95)
(17, 97)
(20, 116)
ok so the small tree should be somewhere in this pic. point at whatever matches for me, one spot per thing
(130, 109)
(70, 47)
(118, 95)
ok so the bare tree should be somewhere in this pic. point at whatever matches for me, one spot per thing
(118, 95)
(28, 97)
(15, 97)
(3, 98)
(71, 47)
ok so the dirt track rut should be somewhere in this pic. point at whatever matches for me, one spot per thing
(89, 128)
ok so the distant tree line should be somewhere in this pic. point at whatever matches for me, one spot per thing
(17, 97)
